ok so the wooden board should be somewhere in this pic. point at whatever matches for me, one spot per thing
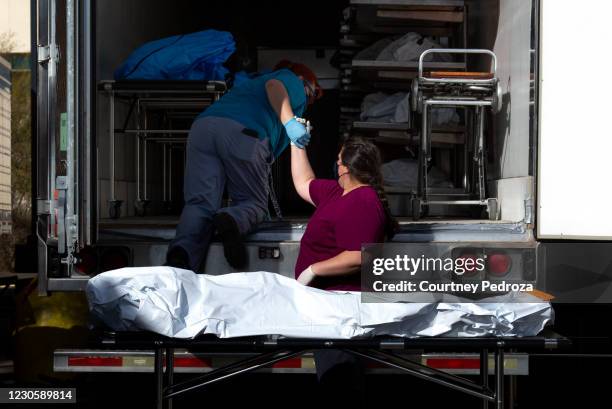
(422, 15)
(461, 75)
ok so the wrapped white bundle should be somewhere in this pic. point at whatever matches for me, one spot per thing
(179, 303)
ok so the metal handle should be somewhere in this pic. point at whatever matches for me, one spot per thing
(457, 51)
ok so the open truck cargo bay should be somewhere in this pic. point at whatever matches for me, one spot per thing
(76, 130)
(546, 161)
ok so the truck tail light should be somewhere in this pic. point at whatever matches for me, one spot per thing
(88, 261)
(95, 361)
(191, 362)
(498, 264)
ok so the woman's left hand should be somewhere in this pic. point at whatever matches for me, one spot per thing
(307, 276)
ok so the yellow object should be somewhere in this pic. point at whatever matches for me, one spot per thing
(58, 310)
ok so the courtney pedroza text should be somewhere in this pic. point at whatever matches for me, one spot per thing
(452, 287)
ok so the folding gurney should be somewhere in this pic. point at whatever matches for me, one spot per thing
(238, 313)
(267, 350)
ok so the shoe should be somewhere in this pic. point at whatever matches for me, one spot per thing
(233, 243)
(177, 257)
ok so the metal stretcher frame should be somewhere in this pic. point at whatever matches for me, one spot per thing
(474, 94)
(272, 349)
(188, 98)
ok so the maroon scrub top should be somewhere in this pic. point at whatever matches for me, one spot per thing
(339, 223)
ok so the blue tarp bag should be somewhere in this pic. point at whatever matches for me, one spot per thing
(196, 56)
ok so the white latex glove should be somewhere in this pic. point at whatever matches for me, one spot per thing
(307, 276)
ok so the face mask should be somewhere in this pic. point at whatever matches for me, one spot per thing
(337, 174)
(339, 177)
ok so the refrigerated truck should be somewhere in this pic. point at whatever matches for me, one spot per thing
(547, 157)
(548, 163)
(548, 167)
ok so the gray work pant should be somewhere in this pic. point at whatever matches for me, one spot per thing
(218, 152)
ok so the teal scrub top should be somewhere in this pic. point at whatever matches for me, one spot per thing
(248, 104)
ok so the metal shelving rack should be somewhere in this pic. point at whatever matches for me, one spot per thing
(367, 21)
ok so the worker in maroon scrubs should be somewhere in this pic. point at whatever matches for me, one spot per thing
(350, 211)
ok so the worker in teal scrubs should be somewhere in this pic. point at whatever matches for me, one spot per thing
(233, 143)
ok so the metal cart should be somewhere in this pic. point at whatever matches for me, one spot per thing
(170, 104)
(473, 91)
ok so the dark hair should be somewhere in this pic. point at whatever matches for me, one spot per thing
(363, 160)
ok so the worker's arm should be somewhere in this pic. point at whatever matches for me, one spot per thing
(279, 99)
(345, 263)
(301, 173)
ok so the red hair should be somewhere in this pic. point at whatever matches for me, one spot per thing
(303, 71)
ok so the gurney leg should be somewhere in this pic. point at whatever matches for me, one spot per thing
(423, 154)
(170, 172)
(426, 373)
(138, 138)
(159, 378)
(169, 372)
(111, 130)
(114, 205)
(499, 378)
(230, 370)
(511, 392)
(480, 156)
(164, 171)
(466, 153)
(144, 157)
(484, 373)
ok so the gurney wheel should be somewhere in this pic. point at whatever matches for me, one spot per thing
(418, 209)
(496, 103)
(139, 211)
(493, 209)
(140, 207)
(114, 209)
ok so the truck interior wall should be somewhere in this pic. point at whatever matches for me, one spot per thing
(120, 27)
(513, 126)
(512, 46)
(123, 26)
(505, 26)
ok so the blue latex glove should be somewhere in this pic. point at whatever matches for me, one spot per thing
(298, 134)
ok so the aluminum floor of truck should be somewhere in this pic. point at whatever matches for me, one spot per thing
(162, 228)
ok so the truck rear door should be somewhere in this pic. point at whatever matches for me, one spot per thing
(574, 165)
(63, 171)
